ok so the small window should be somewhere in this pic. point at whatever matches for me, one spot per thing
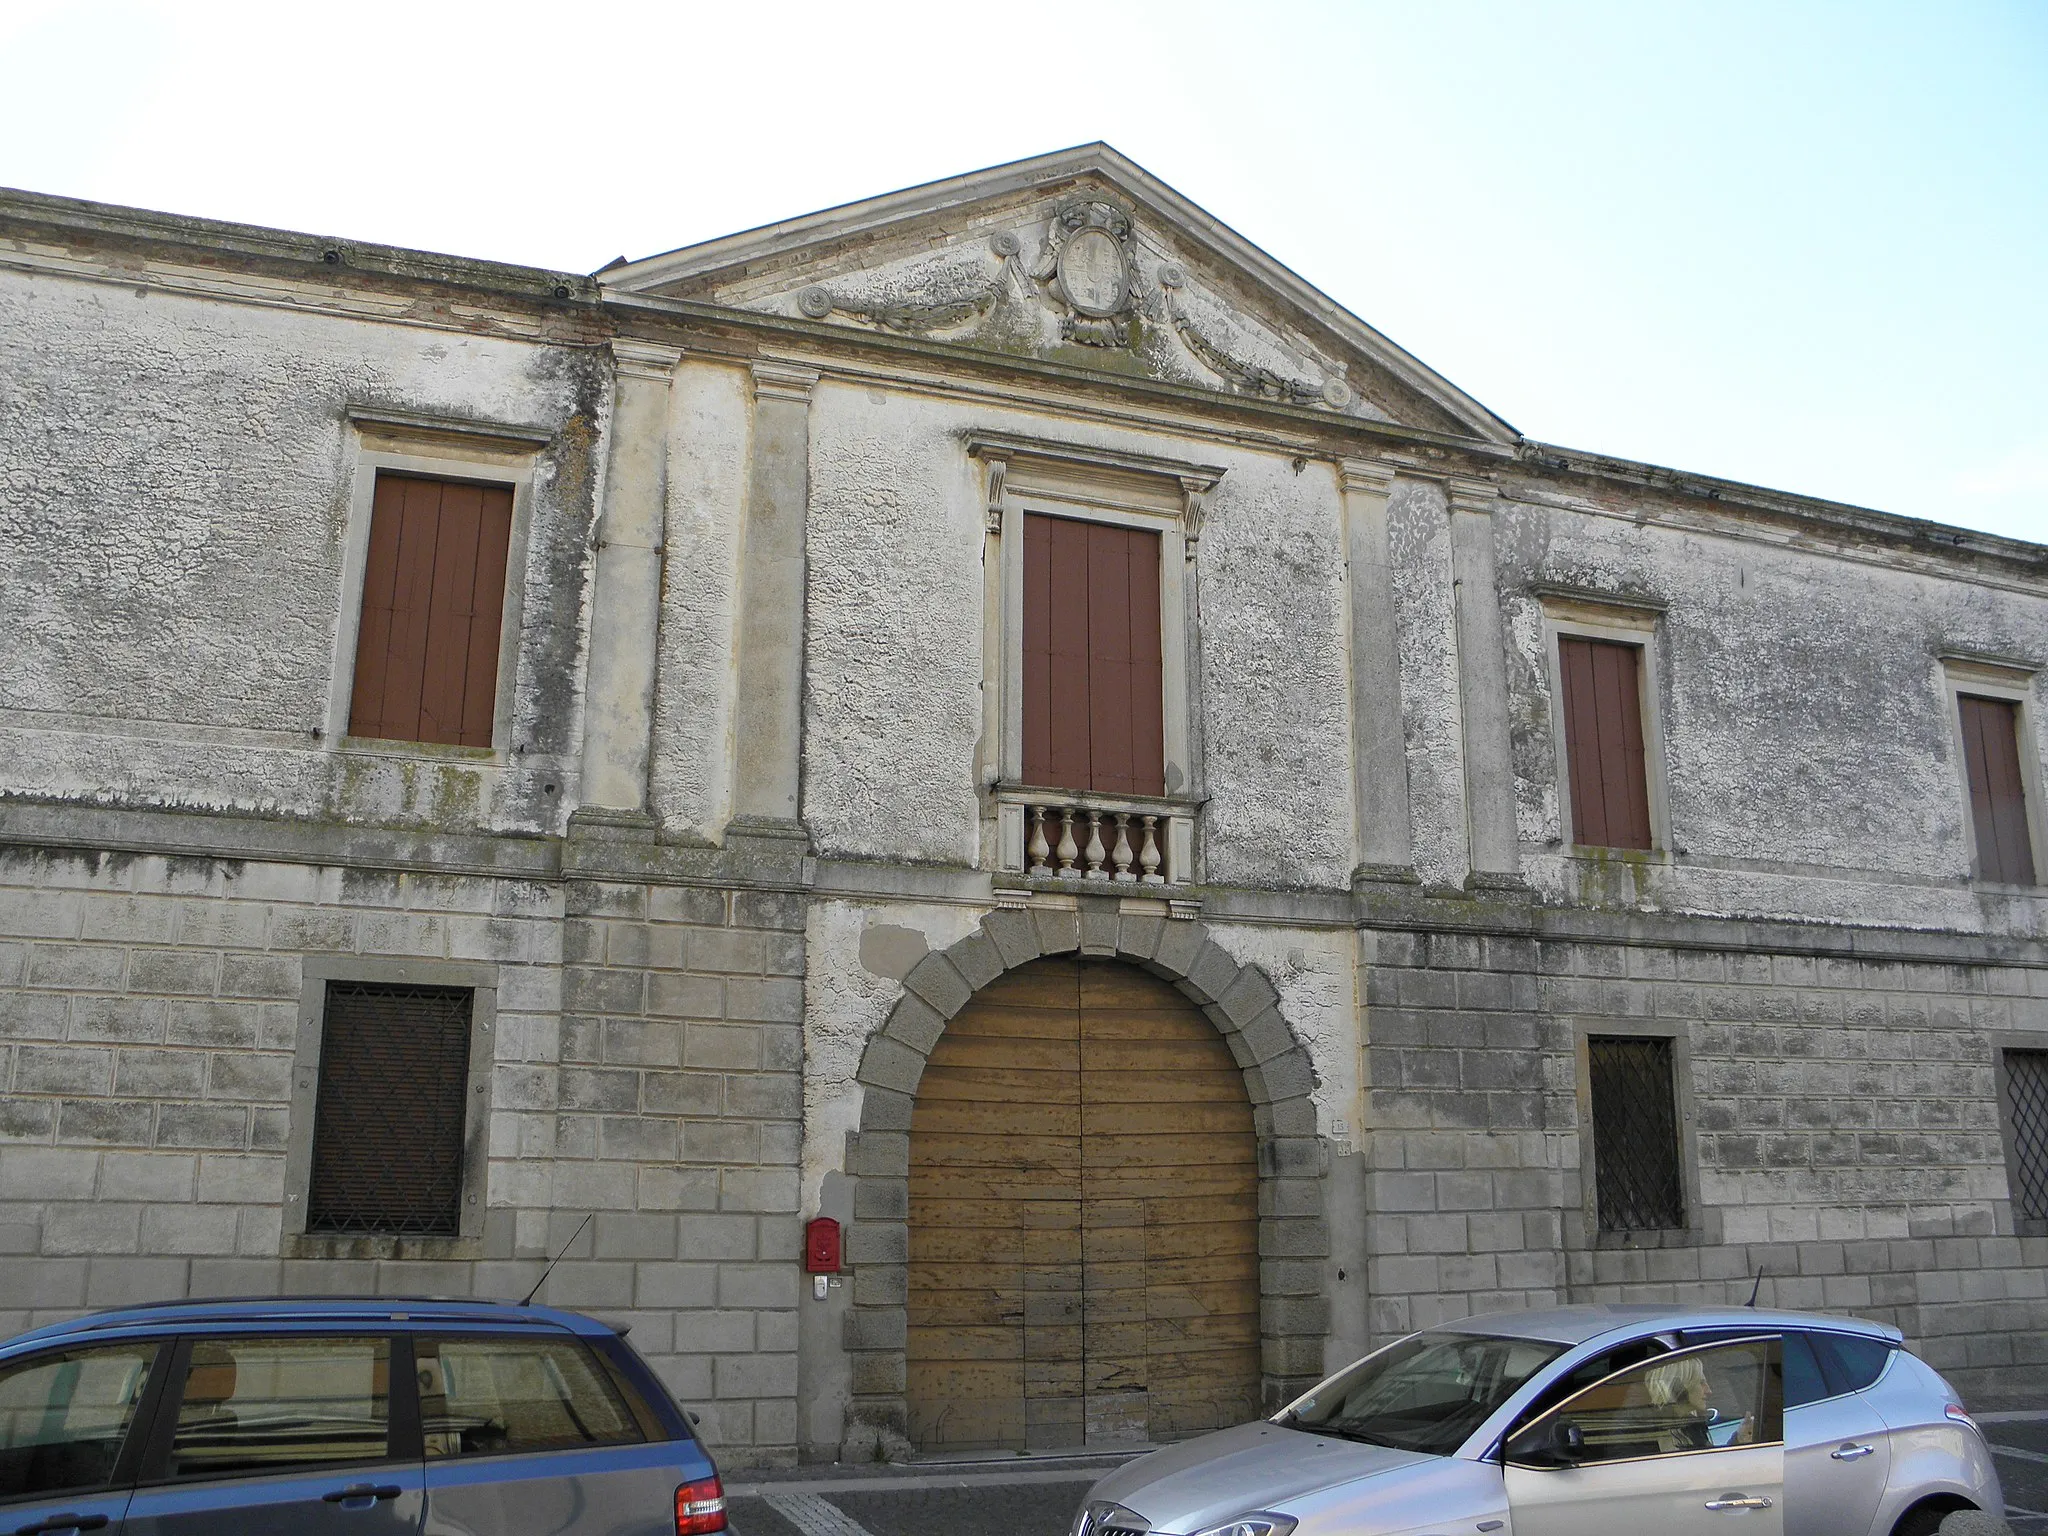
(64, 1417)
(1636, 1176)
(1603, 733)
(1713, 1399)
(1093, 688)
(485, 1396)
(389, 1119)
(2026, 1119)
(260, 1407)
(1998, 799)
(433, 611)
(1851, 1363)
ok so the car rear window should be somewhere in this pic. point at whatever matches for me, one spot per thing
(1851, 1363)
(265, 1406)
(494, 1395)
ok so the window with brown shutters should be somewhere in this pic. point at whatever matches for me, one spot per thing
(433, 606)
(1998, 801)
(1637, 1181)
(1093, 702)
(1603, 732)
(388, 1119)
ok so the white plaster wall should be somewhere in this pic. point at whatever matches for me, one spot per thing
(893, 652)
(1314, 970)
(709, 430)
(894, 706)
(173, 507)
(844, 1005)
(1811, 750)
(1274, 677)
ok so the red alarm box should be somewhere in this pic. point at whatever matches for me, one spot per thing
(821, 1246)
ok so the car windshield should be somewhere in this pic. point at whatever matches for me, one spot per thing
(1424, 1394)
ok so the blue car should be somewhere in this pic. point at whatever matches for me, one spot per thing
(344, 1417)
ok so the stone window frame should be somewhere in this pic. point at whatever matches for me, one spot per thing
(2002, 1041)
(438, 448)
(1091, 484)
(482, 983)
(1280, 1079)
(1619, 621)
(1702, 1226)
(2013, 681)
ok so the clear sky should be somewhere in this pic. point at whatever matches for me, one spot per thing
(1803, 244)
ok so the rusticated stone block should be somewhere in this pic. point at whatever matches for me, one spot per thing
(939, 983)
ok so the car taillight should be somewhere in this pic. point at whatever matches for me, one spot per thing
(700, 1508)
(1956, 1412)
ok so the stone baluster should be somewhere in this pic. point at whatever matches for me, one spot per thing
(1039, 850)
(1097, 854)
(1148, 853)
(1122, 852)
(1069, 850)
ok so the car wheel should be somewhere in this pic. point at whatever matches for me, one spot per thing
(1926, 1520)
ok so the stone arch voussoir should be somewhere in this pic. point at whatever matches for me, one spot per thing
(1239, 999)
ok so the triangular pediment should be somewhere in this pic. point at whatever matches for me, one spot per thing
(1078, 257)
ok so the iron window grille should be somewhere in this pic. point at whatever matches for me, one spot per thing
(1636, 1178)
(388, 1118)
(2026, 1108)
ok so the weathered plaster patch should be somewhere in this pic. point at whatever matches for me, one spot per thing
(844, 1004)
(1274, 681)
(707, 486)
(1420, 539)
(1313, 970)
(893, 658)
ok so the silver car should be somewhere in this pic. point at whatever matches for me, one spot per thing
(1585, 1421)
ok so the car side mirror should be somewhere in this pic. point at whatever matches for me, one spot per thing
(1568, 1440)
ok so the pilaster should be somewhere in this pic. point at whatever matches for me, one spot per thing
(1384, 846)
(626, 600)
(768, 717)
(1482, 688)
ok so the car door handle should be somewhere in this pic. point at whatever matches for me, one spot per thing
(1853, 1452)
(1739, 1501)
(362, 1491)
(62, 1523)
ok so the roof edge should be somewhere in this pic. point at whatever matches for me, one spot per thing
(332, 254)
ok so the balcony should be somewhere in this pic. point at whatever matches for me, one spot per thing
(1088, 838)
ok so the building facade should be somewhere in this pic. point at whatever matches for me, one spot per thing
(1001, 717)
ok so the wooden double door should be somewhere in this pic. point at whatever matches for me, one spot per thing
(1084, 1260)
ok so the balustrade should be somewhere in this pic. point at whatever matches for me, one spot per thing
(1089, 838)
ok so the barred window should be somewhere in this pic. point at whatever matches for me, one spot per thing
(388, 1120)
(2026, 1113)
(1636, 1176)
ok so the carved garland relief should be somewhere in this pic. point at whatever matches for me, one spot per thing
(1088, 272)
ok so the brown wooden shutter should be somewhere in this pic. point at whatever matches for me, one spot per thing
(388, 1115)
(1603, 732)
(1998, 802)
(1093, 679)
(433, 609)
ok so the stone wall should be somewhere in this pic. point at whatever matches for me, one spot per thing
(1842, 1114)
(647, 1070)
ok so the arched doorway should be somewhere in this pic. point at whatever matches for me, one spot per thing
(1083, 1202)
